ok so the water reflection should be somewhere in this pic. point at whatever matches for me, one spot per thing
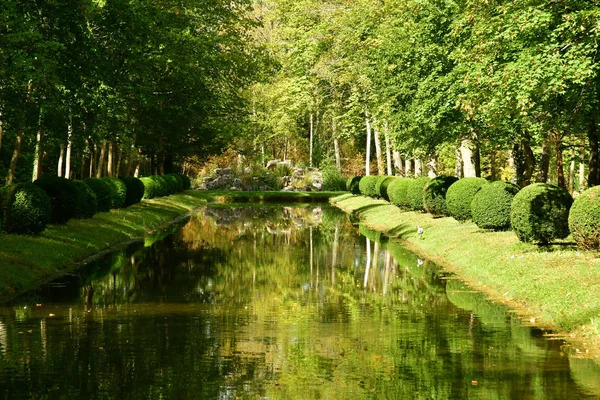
(274, 302)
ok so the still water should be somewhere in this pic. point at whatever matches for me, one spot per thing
(274, 303)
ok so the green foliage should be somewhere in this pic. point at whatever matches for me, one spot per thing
(118, 192)
(434, 195)
(414, 193)
(397, 192)
(179, 180)
(87, 205)
(135, 190)
(490, 208)
(104, 192)
(171, 183)
(187, 183)
(382, 185)
(63, 195)
(460, 195)
(584, 219)
(367, 185)
(353, 184)
(155, 186)
(539, 213)
(24, 208)
(333, 179)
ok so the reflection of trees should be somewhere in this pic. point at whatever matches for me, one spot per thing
(230, 308)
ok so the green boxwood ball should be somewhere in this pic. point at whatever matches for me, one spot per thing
(87, 204)
(179, 181)
(187, 183)
(118, 192)
(382, 185)
(104, 192)
(584, 219)
(490, 208)
(24, 208)
(434, 195)
(171, 183)
(63, 195)
(352, 185)
(414, 193)
(367, 185)
(397, 192)
(539, 213)
(135, 190)
(460, 195)
(154, 186)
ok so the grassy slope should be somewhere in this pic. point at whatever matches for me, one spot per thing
(557, 286)
(27, 261)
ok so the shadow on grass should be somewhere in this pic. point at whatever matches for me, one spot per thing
(401, 231)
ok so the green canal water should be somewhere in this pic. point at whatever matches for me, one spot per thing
(274, 303)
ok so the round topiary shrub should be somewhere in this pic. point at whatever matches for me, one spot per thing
(539, 213)
(490, 208)
(87, 204)
(179, 181)
(367, 185)
(63, 196)
(104, 192)
(434, 195)
(24, 208)
(154, 186)
(118, 192)
(135, 190)
(397, 192)
(352, 184)
(584, 219)
(382, 185)
(187, 183)
(171, 182)
(460, 195)
(414, 193)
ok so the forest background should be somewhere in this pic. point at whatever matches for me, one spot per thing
(500, 89)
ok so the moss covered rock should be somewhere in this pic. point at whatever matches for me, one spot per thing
(414, 193)
(490, 208)
(24, 208)
(352, 184)
(367, 186)
(434, 195)
(460, 195)
(584, 219)
(539, 213)
(397, 192)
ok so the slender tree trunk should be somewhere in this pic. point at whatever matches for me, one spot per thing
(572, 167)
(544, 161)
(138, 164)
(388, 150)
(560, 171)
(368, 263)
(119, 160)
(61, 158)
(132, 154)
(92, 159)
(100, 168)
(468, 157)
(37, 157)
(593, 164)
(368, 152)
(408, 170)
(15, 157)
(111, 159)
(397, 163)
(310, 160)
(336, 146)
(69, 148)
(458, 165)
(418, 167)
(82, 170)
(432, 167)
(582, 165)
(378, 152)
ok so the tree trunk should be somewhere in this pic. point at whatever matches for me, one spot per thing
(368, 152)
(593, 164)
(138, 164)
(69, 148)
(388, 151)
(100, 168)
(572, 168)
(582, 165)
(37, 157)
(132, 154)
(458, 165)
(336, 146)
(111, 159)
(378, 152)
(61, 159)
(432, 167)
(524, 162)
(82, 170)
(418, 167)
(467, 152)
(397, 163)
(408, 170)
(310, 160)
(544, 162)
(560, 171)
(493, 166)
(15, 157)
(119, 160)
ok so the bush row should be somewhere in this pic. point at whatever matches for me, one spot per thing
(28, 207)
(538, 213)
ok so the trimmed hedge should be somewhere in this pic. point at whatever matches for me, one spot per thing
(24, 208)
(187, 183)
(434, 195)
(490, 208)
(584, 219)
(382, 185)
(539, 213)
(397, 192)
(367, 185)
(87, 204)
(352, 184)
(179, 181)
(171, 182)
(104, 192)
(63, 196)
(118, 192)
(460, 196)
(414, 193)
(154, 186)
(135, 190)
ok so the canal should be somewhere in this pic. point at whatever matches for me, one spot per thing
(274, 302)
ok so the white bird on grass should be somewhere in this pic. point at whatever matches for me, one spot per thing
(420, 231)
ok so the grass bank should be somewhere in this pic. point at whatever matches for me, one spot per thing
(28, 261)
(554, 287)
